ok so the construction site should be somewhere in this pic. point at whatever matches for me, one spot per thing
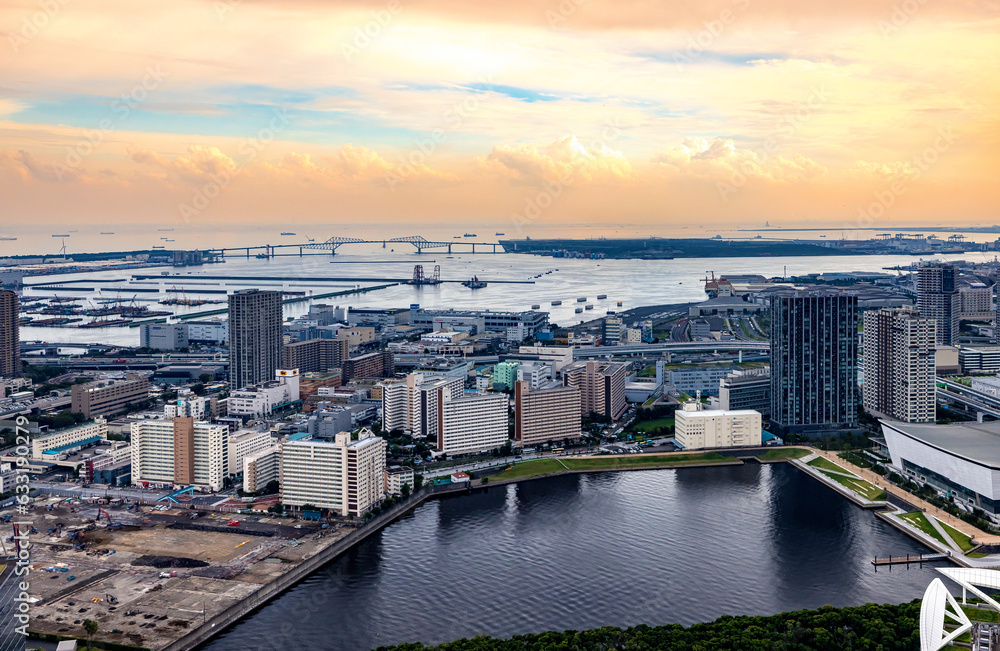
(149, 575)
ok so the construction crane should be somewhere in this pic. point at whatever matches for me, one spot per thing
(106, 515)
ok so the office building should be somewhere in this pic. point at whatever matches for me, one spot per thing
(505, 375)
(814, 361)
(108, 397)
(975, 299)
(534, 373)
(373, 365)
(899, 375)
(601, 385)
(343, 476)
(525, 323)
(255, 344)
(697, 428)
(706, 379)
(179, 452)
(748, 389)
(473, 422)
(211, 332)
(974, 358)
(10, 342)
(260, 468)
(243, 443)
(315, 355)
(938, 298)
(545, 415)
(612, 329)
(264, 398)
(558, 356)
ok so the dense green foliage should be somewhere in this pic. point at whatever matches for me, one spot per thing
(864, 628)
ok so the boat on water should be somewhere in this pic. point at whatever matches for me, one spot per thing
(578, 310)
(107, 232)
(556, 303)
(469, 235)
(107, 323)
(262, 256)
(474, 283)
(581, 299)
(457, 237)
(601, 296)
(588, 306)
(158, 247)
(7, 239)
(619, 303)
(169, 240)
(536, 306)
(288, 233)
(165, 230)
(60, 235)
(498, 234)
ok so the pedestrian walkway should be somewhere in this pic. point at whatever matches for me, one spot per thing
(963, 526)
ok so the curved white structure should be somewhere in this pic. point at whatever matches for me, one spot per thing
(933, 610)
(972, 579)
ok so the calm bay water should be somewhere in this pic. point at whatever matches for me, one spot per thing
(584, 551)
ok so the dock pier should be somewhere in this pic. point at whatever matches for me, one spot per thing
(910, 558)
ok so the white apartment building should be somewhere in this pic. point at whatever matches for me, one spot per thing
(179, 452)
(264, 398)
(560, 356)
(396, 477)
(243, 443)
(198, 407)
(473, 423)
(696, 428)
(49, 446)
(534, 373)
(413, 405)
(344, 476)
(899, 365)
(212, 331)
(260, 468)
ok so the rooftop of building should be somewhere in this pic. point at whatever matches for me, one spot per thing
(975, 442)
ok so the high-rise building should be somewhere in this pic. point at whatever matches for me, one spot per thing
(179, 451)
(473, 423)
(612, 330)
(315, 355)
(543, 415)
(10, 342)
(343, 476)
(373, 365)
(938, 298)
(814, 361)
(414, 404)
(602, 387)
(899, 379)
(255, 342)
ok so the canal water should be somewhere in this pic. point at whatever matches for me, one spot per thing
(584, 551)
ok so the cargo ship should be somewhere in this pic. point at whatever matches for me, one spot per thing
(556, 303)
(578, 310)
(588, 306)
(288, 233)
(108, 323)
(581, 299)
(601, 297)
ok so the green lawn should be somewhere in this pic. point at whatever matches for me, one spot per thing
(649, 371)
(648, 425)
(622, 462)
(981, 614)
(963, 541)
(783, 453)
(824, 464)
(532, 468)
(919, 520)
(859, 486)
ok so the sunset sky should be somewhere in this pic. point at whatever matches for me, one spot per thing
(658, 114)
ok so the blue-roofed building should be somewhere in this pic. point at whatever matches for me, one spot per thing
(49, 446)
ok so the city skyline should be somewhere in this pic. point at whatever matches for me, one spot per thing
(537, 114)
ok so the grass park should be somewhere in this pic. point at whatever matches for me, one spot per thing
(848, 479)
